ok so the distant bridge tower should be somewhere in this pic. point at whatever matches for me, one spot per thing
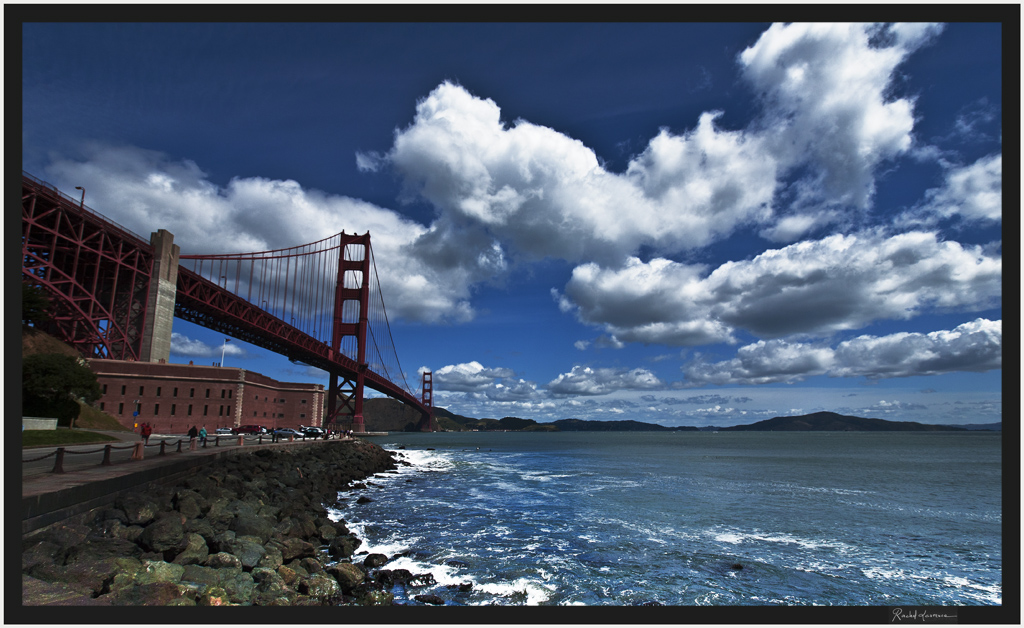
(427, 422)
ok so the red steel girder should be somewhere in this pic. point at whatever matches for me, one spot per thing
(96, 273)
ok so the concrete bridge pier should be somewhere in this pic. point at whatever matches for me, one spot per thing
(163, 286)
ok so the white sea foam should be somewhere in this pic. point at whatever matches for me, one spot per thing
(737, 538)
(533, 591)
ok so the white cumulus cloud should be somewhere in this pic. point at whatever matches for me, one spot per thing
(972, 193)
(818, 287)
(975, 346)
(469, 377)
(184, 346)
(825, 89)
(583, 380)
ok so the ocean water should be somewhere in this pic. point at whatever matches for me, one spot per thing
(691, 518)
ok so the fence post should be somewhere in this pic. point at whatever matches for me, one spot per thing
(163, 450)
(179, 445)
(216, 442)
(241, 440)
(58, 464)
(260, 441)
(106, 456)
(137, 454)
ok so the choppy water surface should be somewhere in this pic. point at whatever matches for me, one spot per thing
(629, 518)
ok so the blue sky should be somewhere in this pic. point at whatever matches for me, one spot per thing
(686, 224)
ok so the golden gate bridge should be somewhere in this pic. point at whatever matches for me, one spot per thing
(114, 296)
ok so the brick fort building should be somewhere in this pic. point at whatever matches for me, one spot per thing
(174, 397)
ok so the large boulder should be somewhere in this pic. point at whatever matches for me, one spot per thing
(390, 577)
(43, 554)
(223, 560)
(343, 546)
(372, 561)
(218, 515)
(248, 549)
(192, 551)
(272, 559)
(189, 503)
(164, 534)
(292, 548)
(245, 524)
(138, 509)
(320, 585)
(348, 575)
(271, 589)
(429, 599)
(238, 584)
(159, 571)
(326, 533)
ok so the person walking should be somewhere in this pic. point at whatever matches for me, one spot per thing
(202, 436)
(146, 431)
(193, 433)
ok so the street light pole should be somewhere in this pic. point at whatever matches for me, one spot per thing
(222, 348)
(81, 204)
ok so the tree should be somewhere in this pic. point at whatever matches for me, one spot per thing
(34, 304)
(52, 384)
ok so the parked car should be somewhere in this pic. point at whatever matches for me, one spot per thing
(224, 430)
(288, 431)
(313, 432)
(249, 429)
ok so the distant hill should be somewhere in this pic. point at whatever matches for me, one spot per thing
(978, 427)
(579, 425)
(832, 422)
(389, 415)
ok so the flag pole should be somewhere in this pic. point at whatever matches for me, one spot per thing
(222, 348)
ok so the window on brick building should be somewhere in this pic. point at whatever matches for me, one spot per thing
(220, 411)
(120, 408)
(229, 410)
(156, 409)
(206, 410)
(229, 393)
(190, 409)
(302, 415)
(223, 393)
(104, 389)
(191, 392)
(302, 401)
(101, 406)
(123, 389)
(172, 409)
(207, 393)
(175, 392)
(157, 391)
(141, 388)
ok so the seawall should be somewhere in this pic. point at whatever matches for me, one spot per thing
(248, 526)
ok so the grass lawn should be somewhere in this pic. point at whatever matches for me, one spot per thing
(37, 438)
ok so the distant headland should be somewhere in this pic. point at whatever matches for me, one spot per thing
(391, 415)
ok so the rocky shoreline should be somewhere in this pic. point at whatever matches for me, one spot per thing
(251, 529)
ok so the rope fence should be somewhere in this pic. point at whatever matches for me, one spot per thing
(139, 447)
